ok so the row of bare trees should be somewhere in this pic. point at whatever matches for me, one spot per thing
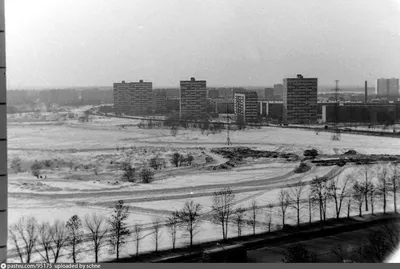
(319, 194)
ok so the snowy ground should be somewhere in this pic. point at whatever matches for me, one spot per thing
(65, 191)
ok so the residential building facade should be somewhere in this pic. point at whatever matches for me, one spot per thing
(133, 98)
(300, 100)
(159, 101)
(246, 106)
(388, 88)
(278, 91)
(193, 102)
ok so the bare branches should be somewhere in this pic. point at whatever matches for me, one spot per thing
(95, 225)
(156, 225)
(118, 227)
(295, 197)
(189, 218)
(173, 222)
(283, 204)
(254, 211)
(337, 193)
(75, 234)
(25, 230)
(137, 231)
(222, 209)
(238, 219)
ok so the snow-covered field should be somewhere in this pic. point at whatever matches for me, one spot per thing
(64, 191)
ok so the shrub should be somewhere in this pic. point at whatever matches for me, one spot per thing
(48, 163)
(147, 175)
(129, 172)
(303, 167)
(35, 169)
(176, 158)
(311, 153)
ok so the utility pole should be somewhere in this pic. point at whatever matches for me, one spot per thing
(336, 130)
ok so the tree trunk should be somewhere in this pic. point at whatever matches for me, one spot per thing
(348, 209)
(96, 256)
(298, 215)
(73, 252)
(366, 201)
(223, 230)
(360, 210)
(394, 197)
(117, 252)
(309, 212)
(384, 199)
(372, 204)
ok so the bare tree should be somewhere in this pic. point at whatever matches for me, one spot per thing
(44, 241)
(283, 204)
(319, 189)
(24, 235)
(137, 231)
(119, 230)
(238, 219)
(156, 226)
(95, 225)
(222, 209)
(189, 217)
(337, 193)
(254, 211)
(173, 223)
(295, 196)
(383, 187)
(310, 200)
(358, 195)
(75, 234)
(269, 212)
(59, 239)
(372, 189)
(367, 173)
(395, 178)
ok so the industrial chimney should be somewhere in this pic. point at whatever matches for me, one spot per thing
(3, 141)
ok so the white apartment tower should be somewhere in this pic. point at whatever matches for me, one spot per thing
(3, 140)
(387, 87)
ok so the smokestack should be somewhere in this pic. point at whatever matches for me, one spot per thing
(3, 141)
(366, 92)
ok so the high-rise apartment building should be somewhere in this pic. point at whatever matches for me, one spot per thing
(193, 101)
(159, 99)
(387, 87)
(3, 141)
(246, 105)
(300, 100)
(133, 98)
(278, 90)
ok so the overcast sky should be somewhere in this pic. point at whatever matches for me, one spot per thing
(55, 43)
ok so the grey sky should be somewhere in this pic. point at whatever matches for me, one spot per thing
(227, 42)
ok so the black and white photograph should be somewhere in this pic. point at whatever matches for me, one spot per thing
(199, 131)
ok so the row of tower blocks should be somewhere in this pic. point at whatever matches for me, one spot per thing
(138, 98)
